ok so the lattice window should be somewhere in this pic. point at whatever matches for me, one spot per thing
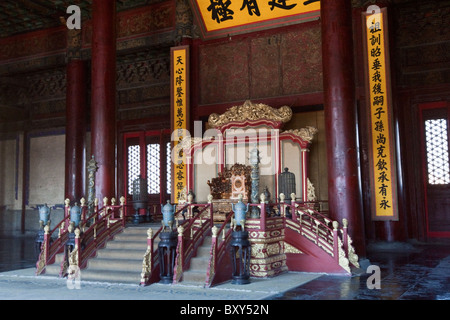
(168, 167)
(436, 137)
(153, 168)
(134, 166)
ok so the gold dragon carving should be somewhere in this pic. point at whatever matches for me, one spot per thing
(250, 111)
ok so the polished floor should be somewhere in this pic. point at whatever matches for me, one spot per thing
(407, 272)
(419, 272)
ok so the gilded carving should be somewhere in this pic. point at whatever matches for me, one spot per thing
(288, 248)
(352, 256)
(250, 111)
(343, 261)
(307, 134)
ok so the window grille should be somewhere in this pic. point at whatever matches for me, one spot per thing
(168, 167)
(134, 166)
(153, 168)
(436, 137)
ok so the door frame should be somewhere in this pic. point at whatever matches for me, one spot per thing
(422, 107)
(164, 137)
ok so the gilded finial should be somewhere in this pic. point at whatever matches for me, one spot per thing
(335, 225)
(345, 222)
(215, 231)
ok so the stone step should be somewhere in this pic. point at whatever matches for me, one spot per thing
(118, 276)
(130, 245)
(108, 253)
(55, 268)
(194, 277)
(121, 259)
(199, 263)
(204, 251)
(115, 264)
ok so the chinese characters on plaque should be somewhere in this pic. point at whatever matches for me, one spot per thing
(180, 109)
(382, 151)
(223, 14)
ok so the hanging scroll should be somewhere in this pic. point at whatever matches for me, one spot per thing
(179, 117)
(226, 17)
(382, 151)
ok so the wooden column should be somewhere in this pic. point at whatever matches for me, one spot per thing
(75, 130)
(340, 118)
(103, 104)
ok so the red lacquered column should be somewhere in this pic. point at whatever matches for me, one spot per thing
(103, 104)
(340, 118)
(75, 130)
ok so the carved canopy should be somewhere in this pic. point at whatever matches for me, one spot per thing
(250, 112)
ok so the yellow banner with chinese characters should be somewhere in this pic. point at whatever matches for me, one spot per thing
(179, 115)
(222, 14)
(382, 141)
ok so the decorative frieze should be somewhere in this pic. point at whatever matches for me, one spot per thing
(267, 255)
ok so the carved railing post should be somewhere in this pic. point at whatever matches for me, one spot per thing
(66, 212)
(211, 209)
(348, 247)
(282, 205)
(213, 257)
(147, 263)
(336, 241)
(344, 235)
(122, 210)
(190, 197)
(41, 264)
(180, 254)
(105, 206)
(75, 257)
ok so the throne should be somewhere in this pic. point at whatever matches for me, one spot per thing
(222, 159)
(231, 183)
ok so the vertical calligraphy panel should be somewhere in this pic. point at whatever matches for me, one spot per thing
(179, 117)
(382, 151)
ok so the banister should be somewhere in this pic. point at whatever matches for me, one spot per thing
(49, 251)
(186, 248)
(216, 252)
(149, 261)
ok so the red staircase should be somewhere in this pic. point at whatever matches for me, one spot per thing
(309, 242)
(105, 223)
(312, 245)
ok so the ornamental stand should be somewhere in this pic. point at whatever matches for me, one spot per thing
(140, 198)
(44, 220)
(167, 247)
(286, 185)
(240, 252)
